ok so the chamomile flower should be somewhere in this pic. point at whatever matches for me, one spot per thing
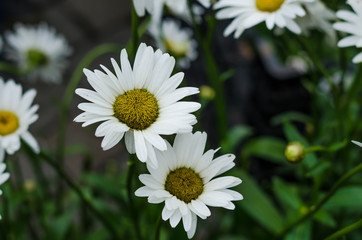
(184, 181)
(39, 50)
(248, 13)
(4, 176)
(140, 103)
(16, 114)
(352, 25)
(175, 40)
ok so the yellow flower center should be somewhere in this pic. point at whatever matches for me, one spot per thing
(185, 184)
(8, 123)
(269, 5)
(177, 49)
(138, 109)
(36, 57)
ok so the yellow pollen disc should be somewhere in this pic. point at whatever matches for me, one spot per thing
(269, 5)
(138, 109)
(185, 184)
(177, 49)
(8, 123)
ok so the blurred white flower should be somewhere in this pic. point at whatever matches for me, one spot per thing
(4, 176)
(141, 103)
(318, 17)
(39, 50)
(155, 7)
(16, 114)
(357, 143)
(352, 25)
(184, 181)
(248, 13)
(175, 40)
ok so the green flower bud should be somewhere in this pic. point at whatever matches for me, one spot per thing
(294, 152)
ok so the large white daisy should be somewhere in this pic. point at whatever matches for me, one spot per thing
(177, 41)
(16, 114)
(184, 181)
(39, 50)
(140, 103)
(4, 176)
(248, 13)
(352, 25)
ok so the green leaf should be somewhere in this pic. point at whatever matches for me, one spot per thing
(268, 148)
(77, 149)
(318, 169)
(234, 137)
(290, 116)
(325, 218)
(287, 195)
(301, 232)
(257, 204)
(60, 226)
(348, 198)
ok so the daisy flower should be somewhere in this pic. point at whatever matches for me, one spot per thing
(140, 103)
(16, 114)
(184, 181)
(39, 50)
(352, 25)
(175, 40)
(248, 13)
(4, 176)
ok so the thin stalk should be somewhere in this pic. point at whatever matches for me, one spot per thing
(133, 212)
(86, 200)
(212, 71)
(158, 228)
(317, 206)
(344, 231)
(135, 36)
(67, 99)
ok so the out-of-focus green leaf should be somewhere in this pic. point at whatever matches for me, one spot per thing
(338, 145)
(226, 75)
(234, 137)
(60, 226)
(318, 169)
(302, 232)
(77, 149)
(268, 148)
(257, 204)
(325, 218)
(109, 186)
(346, 198)
(98, 234)
(290, 116)
(286, 194)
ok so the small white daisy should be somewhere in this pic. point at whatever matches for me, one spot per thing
(155, 7)
(39, 50)
(353, 25)
(184, 181)
(175, 40)
(248, 13)
(140, 103)
(16, 114)
(4, 176)
(318, 17)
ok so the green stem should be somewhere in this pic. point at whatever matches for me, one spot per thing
(314, 209)
(133, 212)
(135, 36)
(158, 228)
(212, 71)
(345, 230)
(86, 199)
(354, 88)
